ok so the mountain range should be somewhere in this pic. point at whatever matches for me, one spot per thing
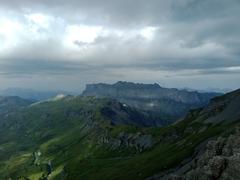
(12, 103)
(35, 95)
(167, 104)
(95, 138)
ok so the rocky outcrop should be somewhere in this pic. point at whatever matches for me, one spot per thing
(221, 160)
(137, 141)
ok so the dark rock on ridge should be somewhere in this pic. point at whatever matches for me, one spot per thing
(221, 160)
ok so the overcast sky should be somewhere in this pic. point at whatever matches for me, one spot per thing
(64, 44)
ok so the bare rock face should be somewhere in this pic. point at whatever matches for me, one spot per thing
(212, 170)
(137, 141)
(221, 160)
(218, 159)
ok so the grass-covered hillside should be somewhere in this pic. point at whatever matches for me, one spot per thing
(101, 139)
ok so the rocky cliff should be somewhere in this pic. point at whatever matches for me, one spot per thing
(166, 102)
(219, 160)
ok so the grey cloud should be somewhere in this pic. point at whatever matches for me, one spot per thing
(193, 35)
(35, 66)
(152, 11)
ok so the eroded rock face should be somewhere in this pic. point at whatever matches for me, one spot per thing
(221, 160)
(138, 141)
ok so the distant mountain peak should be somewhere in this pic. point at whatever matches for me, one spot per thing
(136, 85)
(123, 85)
(167, 102)
(36, 95)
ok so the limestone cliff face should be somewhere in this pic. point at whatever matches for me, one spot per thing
(169, 103)
(221, 160)
(137, 141)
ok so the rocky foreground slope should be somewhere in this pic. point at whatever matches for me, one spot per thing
(168, 103)
(217, 158)
(77, 138)
(221, 160)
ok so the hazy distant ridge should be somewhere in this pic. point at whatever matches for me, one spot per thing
(168, 102)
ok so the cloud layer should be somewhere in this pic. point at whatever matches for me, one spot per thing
(175, 43)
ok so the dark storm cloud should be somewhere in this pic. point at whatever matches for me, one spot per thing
(201, 37)
(135, 10)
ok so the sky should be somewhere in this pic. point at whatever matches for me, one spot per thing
(65, 44)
